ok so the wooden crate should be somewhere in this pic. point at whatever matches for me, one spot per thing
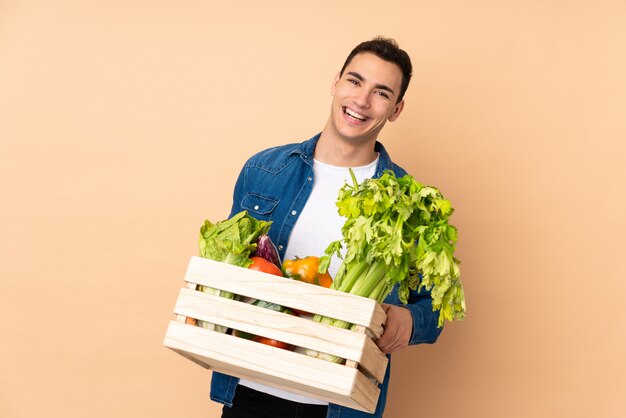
(353, 384)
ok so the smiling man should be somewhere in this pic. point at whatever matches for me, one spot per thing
(366, 94)
(296, 186)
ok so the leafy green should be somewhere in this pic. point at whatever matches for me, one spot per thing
(231, 241)
(397, 232)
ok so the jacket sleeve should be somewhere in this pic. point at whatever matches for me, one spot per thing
(425, 321)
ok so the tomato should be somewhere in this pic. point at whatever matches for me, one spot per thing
(300, 312)
(270, 341)
(261, 264)
(274, 343)
(262, 340)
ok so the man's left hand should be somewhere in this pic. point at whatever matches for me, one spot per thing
(398, 329)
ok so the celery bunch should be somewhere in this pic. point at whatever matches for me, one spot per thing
(397, 232)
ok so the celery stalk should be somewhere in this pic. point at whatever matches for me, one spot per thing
(396, 234)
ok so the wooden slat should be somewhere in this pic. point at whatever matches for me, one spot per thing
(198, 360)
(268, 380)
(365, 393)
(301, 332)
(379, 317)
(286, 292)
(274, 366)
(372, 359)
(183, 318)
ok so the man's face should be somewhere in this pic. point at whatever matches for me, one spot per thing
(364, 98)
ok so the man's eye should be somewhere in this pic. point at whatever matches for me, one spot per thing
(353, 81)
(383, 93)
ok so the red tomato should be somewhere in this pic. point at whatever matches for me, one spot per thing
(302, 313)
(261, 264)
(274, 343)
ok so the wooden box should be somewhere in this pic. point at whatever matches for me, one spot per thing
(353, 384)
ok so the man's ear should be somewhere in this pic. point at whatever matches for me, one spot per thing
(334, 85)
(396, 111)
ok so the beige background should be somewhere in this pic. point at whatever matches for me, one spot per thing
(124, 124)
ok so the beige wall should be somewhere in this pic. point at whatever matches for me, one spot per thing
(124, 124)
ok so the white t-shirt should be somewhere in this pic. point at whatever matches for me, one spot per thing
(317, 226)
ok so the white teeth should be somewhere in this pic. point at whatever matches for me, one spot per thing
(355, 115)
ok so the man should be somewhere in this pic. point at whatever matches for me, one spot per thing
(296, 186)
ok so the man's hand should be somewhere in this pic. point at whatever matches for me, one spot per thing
(398, 328)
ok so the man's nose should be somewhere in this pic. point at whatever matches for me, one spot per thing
(361, 98)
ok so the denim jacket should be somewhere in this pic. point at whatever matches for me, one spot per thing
(275, 184)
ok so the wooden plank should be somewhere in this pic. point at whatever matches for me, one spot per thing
(198, 360)
(286, 292)
(379, 318)
(301, 389)
(271, 365)
(183, 318)
(300, 332)
(374, 360)
(351, 363)
(371, 359)
(365, 393)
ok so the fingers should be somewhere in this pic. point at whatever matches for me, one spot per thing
(397, 329)
(388, 343)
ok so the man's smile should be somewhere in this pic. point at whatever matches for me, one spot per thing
(353, 115)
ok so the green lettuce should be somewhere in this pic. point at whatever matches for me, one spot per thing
(231, 241)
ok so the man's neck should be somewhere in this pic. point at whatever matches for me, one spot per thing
(334, 150)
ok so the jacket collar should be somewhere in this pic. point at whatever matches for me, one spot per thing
(307, 148)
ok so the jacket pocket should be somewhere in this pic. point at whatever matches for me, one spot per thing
(259, 205)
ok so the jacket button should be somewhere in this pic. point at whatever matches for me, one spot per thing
(280, 247)
(310, 178)
(294, 213)
(256, 207)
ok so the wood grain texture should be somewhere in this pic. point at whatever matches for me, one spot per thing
(353, 384)
(270, 365)
(286, 292)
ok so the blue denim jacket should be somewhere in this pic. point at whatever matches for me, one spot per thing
(275, 184)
